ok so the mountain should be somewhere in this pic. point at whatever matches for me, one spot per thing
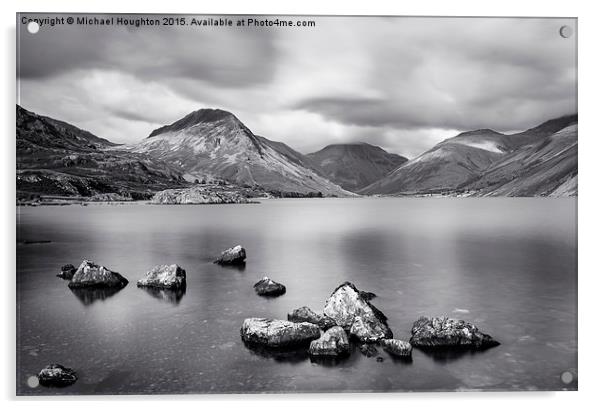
(58, 159)
(547, 167)
(484, 160)
(446, 166)
(213, 144)
(355, 165)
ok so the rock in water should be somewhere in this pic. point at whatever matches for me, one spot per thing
(332, 343)
(170, 277)
(443, 332)
(67, 272)
(366, 328)
(305, 314)
(57, 375)
(350, 310)
(90, 274)
(278, 333)
(369, 350)
(233, 255)
(213, 194)
(397, 347)
(268, 287)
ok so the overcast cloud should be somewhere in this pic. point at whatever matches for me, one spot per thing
(401, 83)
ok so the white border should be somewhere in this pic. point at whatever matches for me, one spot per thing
(590, 151)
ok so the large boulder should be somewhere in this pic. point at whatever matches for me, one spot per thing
(233, 255)
(367, 328)
(443, 332)
(333, 343)
(350, 310)
(171, 277)
(90, 274)
(57, 375)
(269, 288)
(67, 272)
(397, 347)
(306, 314)
(278, 333)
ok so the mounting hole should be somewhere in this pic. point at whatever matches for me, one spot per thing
(33, 27)
(566, 31)
(33, 382)
(566, 377)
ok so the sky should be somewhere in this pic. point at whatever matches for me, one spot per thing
(401, 83)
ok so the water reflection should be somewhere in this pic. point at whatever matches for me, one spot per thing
(446, 355)
(166, 295)
(239, 267)
(88, 296)
(289, 355)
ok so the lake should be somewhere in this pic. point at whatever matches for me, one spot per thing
(508, 265)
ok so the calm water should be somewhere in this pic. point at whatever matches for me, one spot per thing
(508, 265)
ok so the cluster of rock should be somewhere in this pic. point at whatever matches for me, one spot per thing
(90, 281)
(205, 194)
(348, 316)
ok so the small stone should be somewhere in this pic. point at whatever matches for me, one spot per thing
(369, 350)
(233, 255)
(269, 288)
(170, 277)
(57, 375)
(93, 275)
(397, 347)
(278, 333)
(306, 314)
(332, 343)
(67, 272)
(443, 332)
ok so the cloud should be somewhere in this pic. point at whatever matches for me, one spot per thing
(401, 83)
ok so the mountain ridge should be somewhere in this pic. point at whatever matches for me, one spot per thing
(355, 165)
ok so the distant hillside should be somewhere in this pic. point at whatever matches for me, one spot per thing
(545, 168)
(355, 165)
(492, 163)
(59, 159)
(209, 143)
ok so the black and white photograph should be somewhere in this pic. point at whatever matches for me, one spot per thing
(244, 204)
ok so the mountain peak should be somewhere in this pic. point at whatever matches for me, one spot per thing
(204, 115)
(485, 131)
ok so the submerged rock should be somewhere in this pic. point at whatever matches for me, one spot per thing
(306, 314)
(278, 333)
(233, 255)
(67, 272)
(350, 310)
(90, 274)
(268, 287)
(164, 276)
(332, 343)
(369, 350)
(443, 332)
(57, 375)
(397, 347)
